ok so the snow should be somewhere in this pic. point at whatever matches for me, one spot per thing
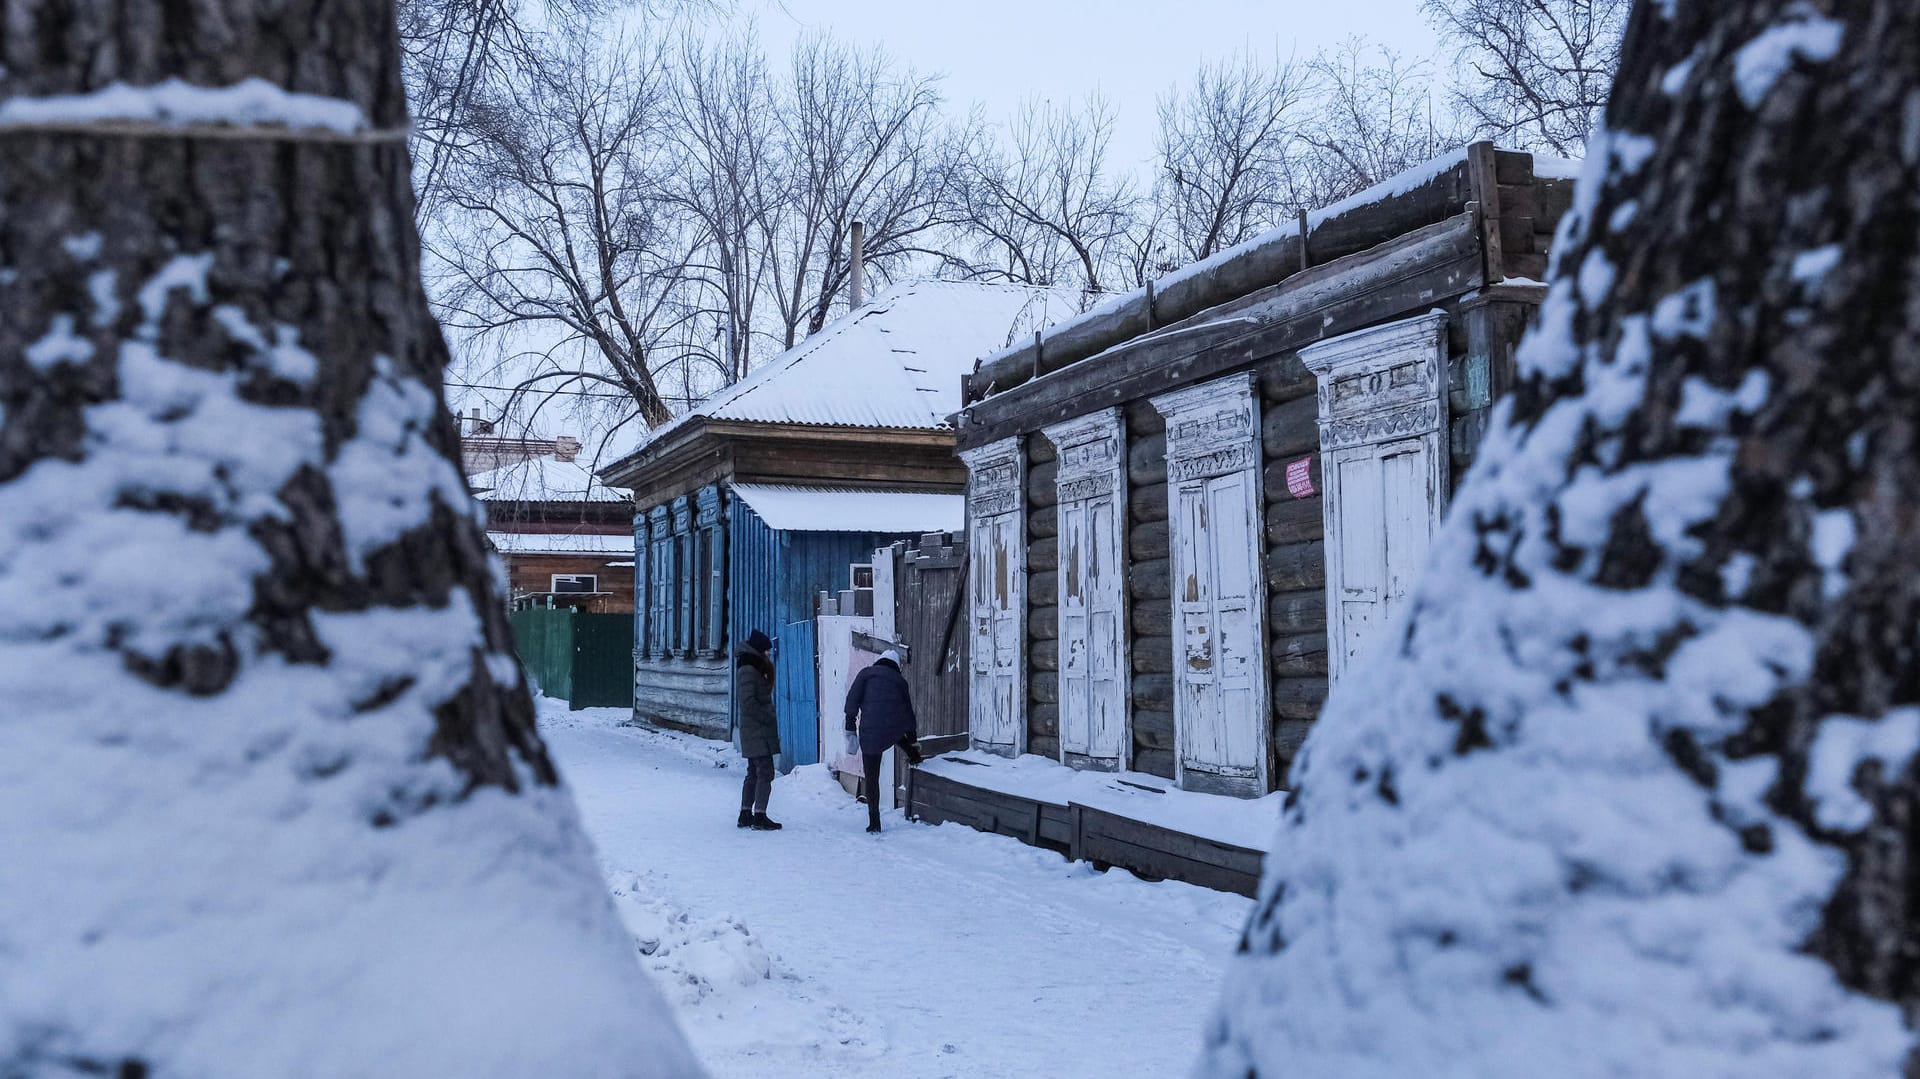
(274, 879)
(894, 363)
(1842, 746)
(387, 477)
(59, 345)
(925, 951)
(1833, 536)
(1241, 822)
(174, 102)
(1547, 892)
(1398, 184)
(1546, 167)
(543, 479)
(830, 509)
(561, 543)
(1760, 62)
(1815, 264)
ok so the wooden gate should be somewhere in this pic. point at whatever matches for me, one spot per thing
(928, 588)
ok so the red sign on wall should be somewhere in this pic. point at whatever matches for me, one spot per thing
(1300, 477)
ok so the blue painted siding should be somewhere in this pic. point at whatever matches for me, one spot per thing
(772, 579)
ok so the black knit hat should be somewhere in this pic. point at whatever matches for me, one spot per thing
(759, 642)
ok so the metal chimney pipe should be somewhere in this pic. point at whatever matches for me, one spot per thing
(857, 289)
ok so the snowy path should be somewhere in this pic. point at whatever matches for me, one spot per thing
(923, 952)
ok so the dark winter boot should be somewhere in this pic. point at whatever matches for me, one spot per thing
(763, 823)
(874, 828)
(746, 819)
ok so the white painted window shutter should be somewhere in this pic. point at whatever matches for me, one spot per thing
(1383, 443)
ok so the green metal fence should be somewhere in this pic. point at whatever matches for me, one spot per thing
(583, 659)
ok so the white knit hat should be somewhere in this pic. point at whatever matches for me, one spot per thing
(890, 654)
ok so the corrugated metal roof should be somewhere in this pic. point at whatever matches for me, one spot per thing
(895, 362)
(838, 509)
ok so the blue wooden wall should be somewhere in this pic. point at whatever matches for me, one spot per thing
(772, 579)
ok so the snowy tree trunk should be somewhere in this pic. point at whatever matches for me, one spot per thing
(271, 792)
(1634, 790)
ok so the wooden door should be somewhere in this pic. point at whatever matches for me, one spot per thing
(998, 591)
(1385, 520)
(1092, 646)
(1220, 633)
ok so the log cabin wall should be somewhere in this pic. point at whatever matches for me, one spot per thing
(1483, 276)
(1149, 590)
(1043, 599)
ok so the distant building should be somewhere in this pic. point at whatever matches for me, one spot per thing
(567, 539)
(757, 499)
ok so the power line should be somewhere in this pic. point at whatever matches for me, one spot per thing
(534, 389)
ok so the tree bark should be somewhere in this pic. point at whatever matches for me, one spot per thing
(250, 612)
(1638, 774)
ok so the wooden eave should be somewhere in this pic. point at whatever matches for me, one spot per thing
(1408, 273)
(704, 450)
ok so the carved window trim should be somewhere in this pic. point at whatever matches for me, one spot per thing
(1386, 384)
(1213, 431)
(1092, 465)
(997, 496)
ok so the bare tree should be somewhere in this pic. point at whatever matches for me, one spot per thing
(565, 218)
(1632, 789)
(1374, 114)
(1041, 200)
(274, 798)
(1224, 152)
(727, 130)
(860, 141)
(1540, 69)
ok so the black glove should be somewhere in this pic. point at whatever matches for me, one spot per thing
(913, 750)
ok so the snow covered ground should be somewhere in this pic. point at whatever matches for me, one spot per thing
(922, 952)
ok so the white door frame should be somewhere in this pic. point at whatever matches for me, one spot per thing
(1093, 468)
(1385, 384)
(1213, 431)
(997, 501)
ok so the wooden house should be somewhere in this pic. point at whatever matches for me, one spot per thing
(756, 500)
(1193, 508)
(566, 538)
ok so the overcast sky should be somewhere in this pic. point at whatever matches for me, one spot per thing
(996, 52)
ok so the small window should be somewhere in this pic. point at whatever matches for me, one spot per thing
(862, 575)
(575, 582)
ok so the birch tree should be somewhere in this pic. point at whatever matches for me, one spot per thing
(271, 792)
(1631, 789)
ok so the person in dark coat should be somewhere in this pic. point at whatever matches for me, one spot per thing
(881, 710)
(759, 733)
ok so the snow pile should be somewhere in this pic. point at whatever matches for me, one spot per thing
(1496, 865)
(882, 951)
(174, 102)
(221, 861)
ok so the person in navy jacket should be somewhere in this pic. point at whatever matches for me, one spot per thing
(880, 708)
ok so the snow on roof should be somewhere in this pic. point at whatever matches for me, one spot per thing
(838, 509)
(543, 479)
(1557, 168)
(560, 543)
(896, 362)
